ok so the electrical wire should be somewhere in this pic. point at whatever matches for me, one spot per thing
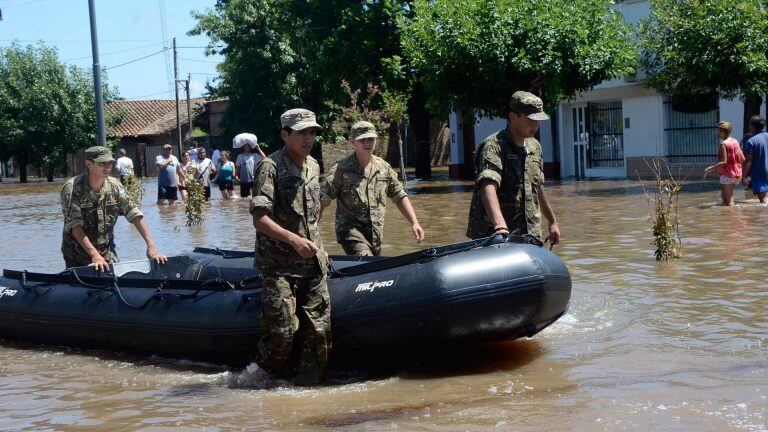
(140, 58)
(148, 95)
(113, 52)
(199, 61)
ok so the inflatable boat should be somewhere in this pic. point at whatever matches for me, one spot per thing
(205, 305)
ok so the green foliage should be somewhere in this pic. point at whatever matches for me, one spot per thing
(46, 109)
(282, 54)
(702, 47)
(473, 54)
(198, 133)
(134, 188)
(194, 204)
(380, 108)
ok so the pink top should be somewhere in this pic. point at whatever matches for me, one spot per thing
(733, 159)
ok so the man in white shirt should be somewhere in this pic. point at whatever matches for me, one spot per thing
(205, 168)
(168, 173)
(124, 166)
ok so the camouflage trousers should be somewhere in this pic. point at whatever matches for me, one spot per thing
(357, 248)
(295, 316)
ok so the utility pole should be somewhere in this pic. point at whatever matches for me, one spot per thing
(97, 77)
(189, 106)
(176, 87)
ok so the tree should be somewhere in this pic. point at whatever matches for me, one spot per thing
(281, 54)
(700, 48)
(473, 54)
(46, 109)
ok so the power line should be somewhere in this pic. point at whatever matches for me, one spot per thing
(23, 4)
(148, 95)
(140, 58)
(199, 61)
(114, 52)
(164, 36)
(199, 47)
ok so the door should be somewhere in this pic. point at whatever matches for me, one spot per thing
(580, 140)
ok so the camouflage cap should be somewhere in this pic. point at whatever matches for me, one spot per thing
(528, 104)
(99, 154)
(299, 119)
(363, 129)
(167, 146)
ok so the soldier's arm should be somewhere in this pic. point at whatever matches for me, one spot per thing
(265, 225)
(488, 190)
(406, 209)
(489, 167)
(549, 213)
(97, 260)
(152, 252)
(329, 189)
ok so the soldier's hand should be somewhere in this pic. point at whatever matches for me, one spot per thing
(418, 232)
(156, 256)
(304, 247)
(99, 262)
(554, 235)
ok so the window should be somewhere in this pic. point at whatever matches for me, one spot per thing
(690, 137)
(606, 136)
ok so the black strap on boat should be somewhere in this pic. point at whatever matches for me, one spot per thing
(102, 283)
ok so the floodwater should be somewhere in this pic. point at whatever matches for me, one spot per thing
(675, 346)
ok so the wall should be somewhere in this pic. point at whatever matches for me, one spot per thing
(216, 110)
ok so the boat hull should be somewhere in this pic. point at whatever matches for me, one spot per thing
(496, 292)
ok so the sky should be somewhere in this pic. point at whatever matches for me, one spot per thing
(127, 31)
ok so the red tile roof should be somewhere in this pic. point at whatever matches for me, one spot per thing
(149, 117)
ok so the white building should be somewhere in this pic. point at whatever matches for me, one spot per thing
(610, 131)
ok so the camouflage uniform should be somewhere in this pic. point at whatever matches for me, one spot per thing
(518, 172)
(361, 202)
(97, 214)
(295, 294)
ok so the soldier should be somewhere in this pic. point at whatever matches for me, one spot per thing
(294, 298)
(91, 203)
(509, 191)
(362, 182)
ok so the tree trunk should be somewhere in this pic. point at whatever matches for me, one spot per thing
(23, 168)
(751, 108)
(49, 173)
(419, 117)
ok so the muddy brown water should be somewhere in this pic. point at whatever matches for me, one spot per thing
(645, 346)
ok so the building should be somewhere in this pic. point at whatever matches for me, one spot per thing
(613, 129)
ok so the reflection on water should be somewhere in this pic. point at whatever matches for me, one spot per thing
(645, 345)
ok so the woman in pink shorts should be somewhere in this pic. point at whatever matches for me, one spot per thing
(729, 159)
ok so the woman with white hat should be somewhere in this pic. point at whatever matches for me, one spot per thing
(246, 162)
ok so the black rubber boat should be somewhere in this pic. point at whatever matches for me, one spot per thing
(205, 305)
